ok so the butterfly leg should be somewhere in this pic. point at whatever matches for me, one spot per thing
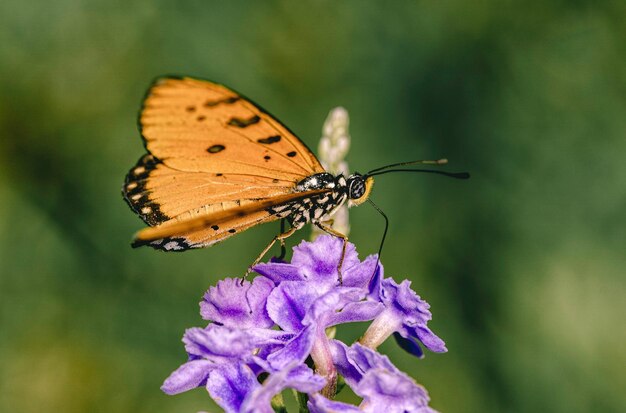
(280, 238)
(283, 250)
(329, 230)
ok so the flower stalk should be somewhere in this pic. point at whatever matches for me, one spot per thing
(324, 366)
(333, 148)
(381, 328)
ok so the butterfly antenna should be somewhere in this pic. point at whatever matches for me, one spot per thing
(387, 169)
(456, 175)
(442, 161)
(382, 241)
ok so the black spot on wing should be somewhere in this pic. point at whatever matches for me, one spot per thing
(229, 100)
(137, 196)
(291, 154)
(268, 140)
(244, 123)
(215, 148)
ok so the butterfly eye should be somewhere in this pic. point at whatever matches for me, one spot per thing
(356, 187)
(359, 188)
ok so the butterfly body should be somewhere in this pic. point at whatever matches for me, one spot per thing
(316, 208)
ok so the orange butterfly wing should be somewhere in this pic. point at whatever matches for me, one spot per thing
(194, 125)
(211, 150)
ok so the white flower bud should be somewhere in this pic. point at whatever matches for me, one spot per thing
(333, 148)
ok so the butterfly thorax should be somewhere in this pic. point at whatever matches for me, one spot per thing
(318, 207)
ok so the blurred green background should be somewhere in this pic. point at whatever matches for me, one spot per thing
(523, 265)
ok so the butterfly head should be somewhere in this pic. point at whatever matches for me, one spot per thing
(359, 188)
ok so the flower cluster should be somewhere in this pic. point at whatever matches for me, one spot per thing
(270, 334)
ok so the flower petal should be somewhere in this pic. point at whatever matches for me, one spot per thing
(365, 359)
(188, 376)
(236, 304)
(218, 342)
(392, 392)
(295, 376)
(345, 367)
(320, 404)
(405, 313)
(360, 274)
(375, 283)
(288, 303)
(279, 272)
(230, 384)
(429, 339)
(296, 350)
(341, 305)
(222, 344)
(355, 312)
(409, 345)
(318, 261)
(304, 380)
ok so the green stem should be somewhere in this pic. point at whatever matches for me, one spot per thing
(302, 399)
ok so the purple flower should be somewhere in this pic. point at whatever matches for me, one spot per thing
(373, 377)
(215, 346)
(405, 315)
(262, 332)
(223, 360)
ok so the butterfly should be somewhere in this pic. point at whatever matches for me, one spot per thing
(218, 164)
